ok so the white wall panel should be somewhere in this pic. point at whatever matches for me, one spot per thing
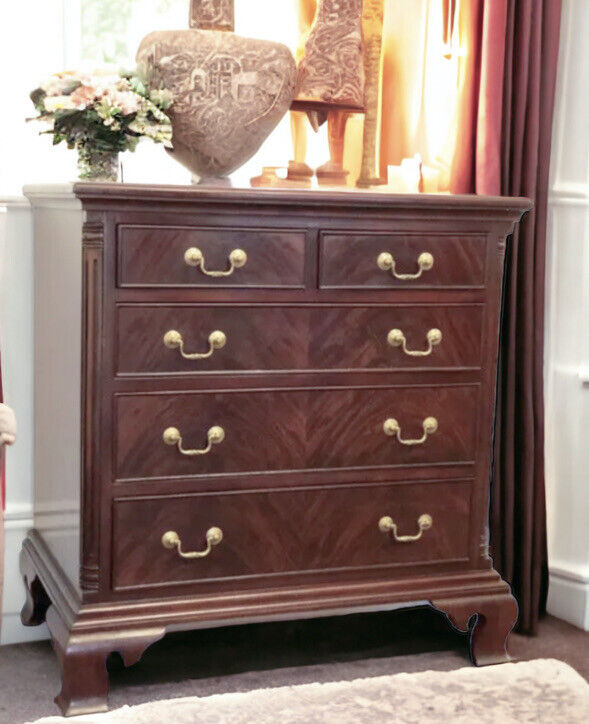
(567, 328)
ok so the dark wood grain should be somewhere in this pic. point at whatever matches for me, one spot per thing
(302, 389)
(154, 256)
(489, 620)
(288, 531)
(133, 620)
(348, 260)
(266, 338)
(293, 430)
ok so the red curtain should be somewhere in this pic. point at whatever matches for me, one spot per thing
(506, 111)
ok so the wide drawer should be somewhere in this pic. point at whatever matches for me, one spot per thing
(176, 434)
(176, 339)
(401, 261)
(302, 530)
(165, 256)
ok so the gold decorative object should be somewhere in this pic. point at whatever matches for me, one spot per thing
(333, 173)
(387, 525)
(391, 427)
(386, 262)
(270, 179)
(330, 86)
(396, 338)
(215, 436)
(299, 173)
(171, 540)
(195, 257)
(174, 340)
(372, 25)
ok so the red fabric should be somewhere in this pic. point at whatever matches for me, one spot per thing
(490, 104)
(507, 106)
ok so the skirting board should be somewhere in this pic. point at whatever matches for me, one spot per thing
(568, 594)
(16, 524)
(18, 520)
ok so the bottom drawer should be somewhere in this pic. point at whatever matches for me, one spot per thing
(303, 530)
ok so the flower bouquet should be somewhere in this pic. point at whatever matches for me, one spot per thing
(101, 114)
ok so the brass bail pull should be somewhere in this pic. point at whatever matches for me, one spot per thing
(392, 428)
(171, 540)
(396, 338)
(387, 262)
(215, 436)
(195, 257)
(174, 340)
(387, 525)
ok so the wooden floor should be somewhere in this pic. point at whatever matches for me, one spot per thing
(202, 663)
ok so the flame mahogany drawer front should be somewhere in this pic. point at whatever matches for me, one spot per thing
(401, 260)
(287, 531)
(158, 435)
(167, 256)
(264, 338)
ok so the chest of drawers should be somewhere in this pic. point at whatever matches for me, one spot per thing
(272, 404)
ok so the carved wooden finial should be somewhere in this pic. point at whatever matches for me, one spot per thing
(212, 15)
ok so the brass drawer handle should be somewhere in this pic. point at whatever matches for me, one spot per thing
(388, 525)
(171, 540)
(386, 262)
(392, 427)
(396, 338)
(215, 436)
(195, 257)
(173, 340)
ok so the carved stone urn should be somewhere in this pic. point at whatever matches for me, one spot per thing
(229, 92)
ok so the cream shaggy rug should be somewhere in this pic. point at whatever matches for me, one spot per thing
(544, 690)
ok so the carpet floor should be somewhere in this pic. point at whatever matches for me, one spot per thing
(239, 659)
(541, 691)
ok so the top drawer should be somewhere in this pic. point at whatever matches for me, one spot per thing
(401, 260)
(166, 256)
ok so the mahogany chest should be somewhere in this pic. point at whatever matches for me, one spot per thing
(261, 405)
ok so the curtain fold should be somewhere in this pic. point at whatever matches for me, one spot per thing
(518, 484)
(475, 98)
(509, 154)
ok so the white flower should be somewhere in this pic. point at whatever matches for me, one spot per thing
(126, 101)
(59, 103)
(57, 84)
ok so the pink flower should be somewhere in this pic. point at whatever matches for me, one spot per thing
(127, 101)
(83, 96)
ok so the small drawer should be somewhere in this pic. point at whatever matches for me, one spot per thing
(312, 530)
(165, 256)
(401, 261)
(191, 434)
(194, 339)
